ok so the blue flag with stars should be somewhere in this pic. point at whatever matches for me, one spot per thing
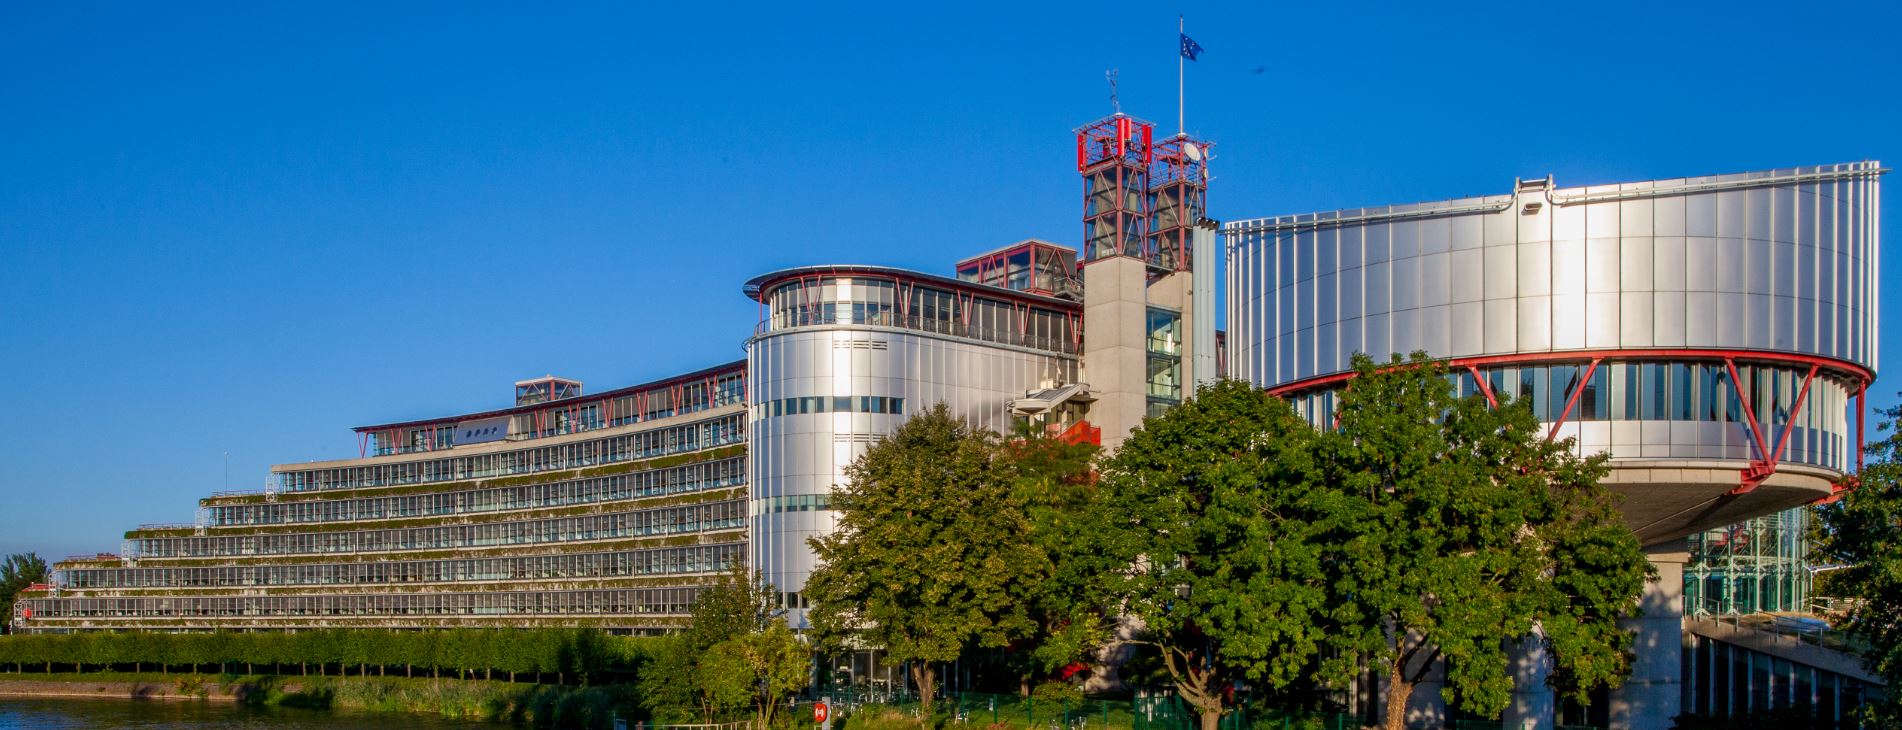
(1190, 49)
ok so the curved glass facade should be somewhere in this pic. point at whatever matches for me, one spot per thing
(1690, 407)
(922, 305)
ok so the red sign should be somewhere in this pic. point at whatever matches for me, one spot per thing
(29, 613)
(820, 711)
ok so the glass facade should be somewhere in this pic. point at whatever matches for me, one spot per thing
(1722, 679)
(1757, 565)
(612, 525)
(890, 301)
(1163, 340)
(579, 530)
(1686, 392)
(611, 450)
(621, 564)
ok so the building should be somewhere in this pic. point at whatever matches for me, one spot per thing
(611, 509)
(564, 510)
(1714, 335)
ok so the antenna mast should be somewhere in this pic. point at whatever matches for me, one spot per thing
(1114, 103)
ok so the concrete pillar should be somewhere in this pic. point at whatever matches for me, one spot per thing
(1532, 705)
(1115, 349)
(1654, 693)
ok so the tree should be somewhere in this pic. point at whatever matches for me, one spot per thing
(1455, 527)
(1054, 480)
(1187, 516)
(776, 663)
(16, 573)
(702, 667)
(929, 545)
(1863, 531)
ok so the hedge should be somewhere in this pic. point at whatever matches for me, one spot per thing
(569, 654)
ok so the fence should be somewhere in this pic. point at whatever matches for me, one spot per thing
(1160, 712)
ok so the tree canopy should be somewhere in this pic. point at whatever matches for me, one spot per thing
(737, 652)
(1453, 527)
(1189, 516)
(931, 542)
(1863, 531)
(1414, 530)
(17, 572)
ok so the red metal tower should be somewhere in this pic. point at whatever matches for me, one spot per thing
(1114, 155)
(1178, 199)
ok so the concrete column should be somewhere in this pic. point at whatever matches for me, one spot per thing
(1115, 349)
(1532, 705)
(1654, 693)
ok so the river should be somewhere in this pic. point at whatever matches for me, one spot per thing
(34, 713)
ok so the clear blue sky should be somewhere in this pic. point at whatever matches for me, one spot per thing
(247, 228)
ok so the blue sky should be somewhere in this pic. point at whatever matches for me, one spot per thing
(246, 228)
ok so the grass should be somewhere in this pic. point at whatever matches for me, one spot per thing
(535, 705)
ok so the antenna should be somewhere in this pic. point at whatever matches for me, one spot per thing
(1114, 103)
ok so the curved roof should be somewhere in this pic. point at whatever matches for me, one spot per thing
(757, 285)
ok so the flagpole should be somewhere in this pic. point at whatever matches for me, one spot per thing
(1181, 32)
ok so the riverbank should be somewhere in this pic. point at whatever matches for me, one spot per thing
(519, 704)
(106, 690)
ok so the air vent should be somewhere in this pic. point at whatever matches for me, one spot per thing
(860, 345)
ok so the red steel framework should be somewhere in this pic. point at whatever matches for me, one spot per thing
(1761, 466)
(1113, 154)
(1178, 198)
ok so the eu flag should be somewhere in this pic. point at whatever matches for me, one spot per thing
(1190, 49)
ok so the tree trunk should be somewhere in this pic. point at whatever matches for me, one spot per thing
(1399, 690)
(1023, 685)
(1211, 719)
(927, 679)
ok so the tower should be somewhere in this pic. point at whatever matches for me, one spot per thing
(1178, 199)
(1113, 154)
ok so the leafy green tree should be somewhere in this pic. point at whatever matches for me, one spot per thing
(930, 544)
(1188, 515)
(775, 662)
(1054, 481)
(1863, 531)
(714, 665)
(1452, 527)
(17, 572)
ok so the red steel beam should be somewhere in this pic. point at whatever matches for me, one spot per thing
(1750, 414)
(1795, 408)
(1850, 370)
(1484, 387)
(1573, 399)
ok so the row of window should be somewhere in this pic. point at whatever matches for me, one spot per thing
(792, 503)
(575, 417)
(620, 564)
(643, 523)
(1723, 680)
(642, 445)
(719, 474)
(611, 602)
(1659, 391)
(829, 404)
(881, 302)
(1642, 391)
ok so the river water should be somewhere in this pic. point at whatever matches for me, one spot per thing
(23, 713)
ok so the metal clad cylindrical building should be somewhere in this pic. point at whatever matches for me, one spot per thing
(844, 354)
(1713, 334)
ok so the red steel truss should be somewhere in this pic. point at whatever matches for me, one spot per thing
(1768, 453)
